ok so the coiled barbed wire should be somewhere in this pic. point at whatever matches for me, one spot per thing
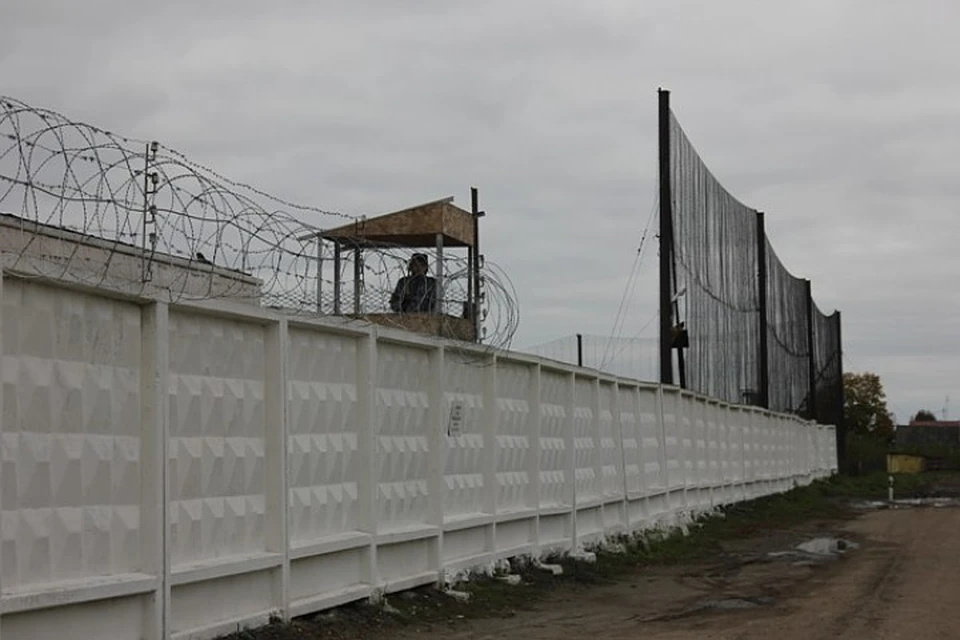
(143, 218)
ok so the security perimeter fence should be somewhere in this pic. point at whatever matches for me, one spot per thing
(734, 322)
(635, 357)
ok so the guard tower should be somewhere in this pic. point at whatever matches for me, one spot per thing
(439, 226)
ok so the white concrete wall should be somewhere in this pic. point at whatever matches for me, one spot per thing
(174, 471)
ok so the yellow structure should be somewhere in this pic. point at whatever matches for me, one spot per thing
(905, 463)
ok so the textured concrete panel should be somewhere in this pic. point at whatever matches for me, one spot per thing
(653, 446)
(113, 619)
(327, 573)
(554, 395)
(611, 460)
(585, 440)
(700, 410)
(688, 454)
(750, 446)
(735, 423)
(673, 439)
(463, 380)
(712, 440)
(631, 427)
(221, 603)
(514, 431)
(322, 434)
(70, 446)
(403, 378)
(721, 445)
(217, 423)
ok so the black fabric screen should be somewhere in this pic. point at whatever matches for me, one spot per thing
(753, 333)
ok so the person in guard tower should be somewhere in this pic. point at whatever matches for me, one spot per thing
(416, 292)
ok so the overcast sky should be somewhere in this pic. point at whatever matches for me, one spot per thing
(838, 118)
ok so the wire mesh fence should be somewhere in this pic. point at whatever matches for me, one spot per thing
(633, 358)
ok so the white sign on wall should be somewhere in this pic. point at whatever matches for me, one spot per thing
(455, 424)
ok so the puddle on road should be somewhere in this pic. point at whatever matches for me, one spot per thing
(826, 546)
(731, 604)
(936, 503)
(713, 604)
(906, 503)
(821, 548)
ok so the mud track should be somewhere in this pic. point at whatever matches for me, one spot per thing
(896, 575)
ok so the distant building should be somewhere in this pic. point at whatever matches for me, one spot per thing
(35, 250)
(929, 432)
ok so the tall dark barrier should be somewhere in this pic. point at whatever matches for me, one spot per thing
(789, 350)
(713, 279)
(829, 368)
(735, 323)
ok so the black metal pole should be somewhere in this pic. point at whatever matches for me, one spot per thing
(439, 272)
(811, 359)
(320, 274)
(475, 265)
(666, 241)
(357, 278)
(336, 278)
(468, 310)
(145, 277)
(579, 349)
(841, 425)
(763, 373)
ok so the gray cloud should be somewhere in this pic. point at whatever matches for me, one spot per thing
(836, 118)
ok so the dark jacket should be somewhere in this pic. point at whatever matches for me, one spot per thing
(414, 294)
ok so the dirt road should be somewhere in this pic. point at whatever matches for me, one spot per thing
(895, 575)
(903, 582)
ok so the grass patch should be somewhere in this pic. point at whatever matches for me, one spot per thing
(873, 486)
(828, 499)
(707, 536)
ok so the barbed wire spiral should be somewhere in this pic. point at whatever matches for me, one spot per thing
(146, 219)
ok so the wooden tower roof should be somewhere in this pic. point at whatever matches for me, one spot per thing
(416, 227)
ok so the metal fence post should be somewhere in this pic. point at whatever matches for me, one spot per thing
(812, 412)
(763, 365)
